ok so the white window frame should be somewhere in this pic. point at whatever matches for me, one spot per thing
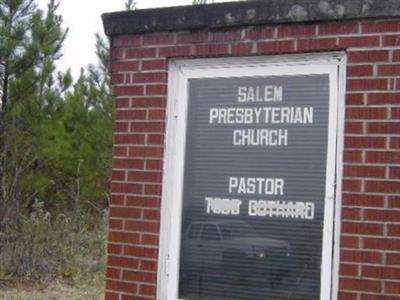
(180, 71)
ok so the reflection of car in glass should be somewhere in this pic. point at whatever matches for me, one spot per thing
(233, 250)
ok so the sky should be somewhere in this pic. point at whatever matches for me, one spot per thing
(83, 18)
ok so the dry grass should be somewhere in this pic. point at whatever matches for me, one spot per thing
(55, 289)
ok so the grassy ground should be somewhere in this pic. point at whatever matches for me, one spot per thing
(54, 289)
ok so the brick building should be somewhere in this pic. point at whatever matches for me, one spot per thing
(362, 259)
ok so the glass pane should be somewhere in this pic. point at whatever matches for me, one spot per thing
(254, 188)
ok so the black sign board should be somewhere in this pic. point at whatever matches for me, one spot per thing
(254, 188)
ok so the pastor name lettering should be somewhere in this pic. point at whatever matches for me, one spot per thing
(267, 93)
(223, 206)
(256, 186)
(282, 209)
(259, 115)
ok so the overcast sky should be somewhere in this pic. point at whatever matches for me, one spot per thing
(82, 17)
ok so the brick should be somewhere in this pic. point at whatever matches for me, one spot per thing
(121, 286)
(138, 151)
(111, 296)
(143, 176)
(136, 297)
(393, 259)
(395, 143)
(353, 127)
(351, 213)
(148, 265)
(363, 200)
(338, 28)
(211, 49)
(124, 66)
(368, 113)
(118, 176)
(149, 240)
(148, 102)
(366, 84)
(382, 215)
(392, 287)
(358, 256)
(115, 224)
(296, 30)
(396, 55)
(395, 113)
(380, 26)
(226, 36)
(346, 296)
(364, 285)
(158, 39)
(176, 51)
(368, 56)
(113, 273)
(126, 188)
(152, 189)
(156, 114)
(383, 98)
(382, 187)
(117, 78)
(192, 37)
(114, 248)
(378, 297)
(389, 244)
(383, 157)
(156, 126)
(394, 230)
(117, 199)
(120, 127)
(275, 47)
(126, 41)
(348, 269)
(380, 272)
(317, 44)
(364, 171)
(156, 64)
(141, 201)
(359, 41)
(147, 290)
(133, 90)
(349, 242)
(391, 40)
(151, 214)
(259, 33)
(141, 53)
(383, 127)
(362, 228)
(394, 202)
(242, 49)
(152, 77)
(138, 276)
(354, 99)
(123, 237)
(127, 163)
(157, 89)
(364, 142)
(154, 164)
(155, 139)
(352, 156)
(130, 114)
(141, 226)
(124, 212)
(122, 103)
(119, 151)
(394, 172)
(140, 252)
(351, 185)
(389, 70)
(122, 261)
(360, 70)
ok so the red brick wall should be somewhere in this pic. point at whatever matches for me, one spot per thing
(370, 242)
